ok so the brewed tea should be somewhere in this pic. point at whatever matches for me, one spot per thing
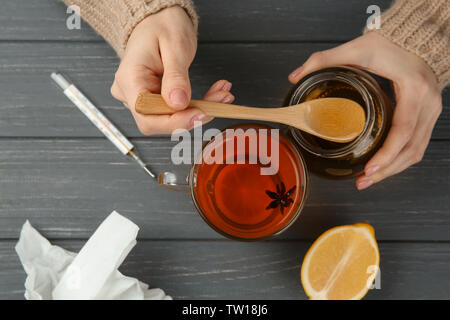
(238, 201)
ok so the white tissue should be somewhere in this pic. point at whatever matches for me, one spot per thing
(54, 273)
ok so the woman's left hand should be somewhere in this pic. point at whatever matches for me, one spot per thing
(419, 102)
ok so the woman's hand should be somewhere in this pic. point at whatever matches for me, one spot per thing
(419, 102)
(157, 58)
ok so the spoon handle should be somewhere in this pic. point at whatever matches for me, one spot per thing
(153, 104)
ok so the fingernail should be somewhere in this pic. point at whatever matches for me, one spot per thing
(228, 99)
(296, 72)
(218, 85)
(364, 184)
(178, 97)
(197, 120)
(227, 86)
(370, 171)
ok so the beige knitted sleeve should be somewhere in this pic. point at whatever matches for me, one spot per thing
(114, 20)
(421, 27)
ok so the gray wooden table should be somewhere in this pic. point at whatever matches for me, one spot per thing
(59, 172)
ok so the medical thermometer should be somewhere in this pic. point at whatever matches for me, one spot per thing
(98, 119)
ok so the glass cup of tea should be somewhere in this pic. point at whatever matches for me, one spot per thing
(248, 183)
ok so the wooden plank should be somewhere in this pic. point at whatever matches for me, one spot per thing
(264, 270)
(31, 105)
(66, 187)
(262, 20)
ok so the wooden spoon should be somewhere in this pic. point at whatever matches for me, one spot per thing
(334, 119)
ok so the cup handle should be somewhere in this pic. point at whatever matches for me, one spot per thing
(168, 180)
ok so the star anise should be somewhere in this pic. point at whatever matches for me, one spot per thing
(281, 197)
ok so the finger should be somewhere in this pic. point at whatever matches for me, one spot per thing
(409, 155)
(219, 96)
(221, 85)
(117, 93)
(346, 54)
(371, 52)
(166, 124)
(176, 87)
(188, 118)
(220, 92)
(184, 119)
(132, 80)
(402, 129)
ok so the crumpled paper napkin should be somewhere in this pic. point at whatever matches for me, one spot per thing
(55, 273)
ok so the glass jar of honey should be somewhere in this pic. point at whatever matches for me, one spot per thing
(343, 160)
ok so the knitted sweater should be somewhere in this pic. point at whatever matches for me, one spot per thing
(419, 26)
(114, 20)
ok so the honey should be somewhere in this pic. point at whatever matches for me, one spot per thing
(343, 160)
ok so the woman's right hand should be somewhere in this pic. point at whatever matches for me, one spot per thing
(157, 58)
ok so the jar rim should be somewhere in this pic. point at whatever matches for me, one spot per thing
(335, 74)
